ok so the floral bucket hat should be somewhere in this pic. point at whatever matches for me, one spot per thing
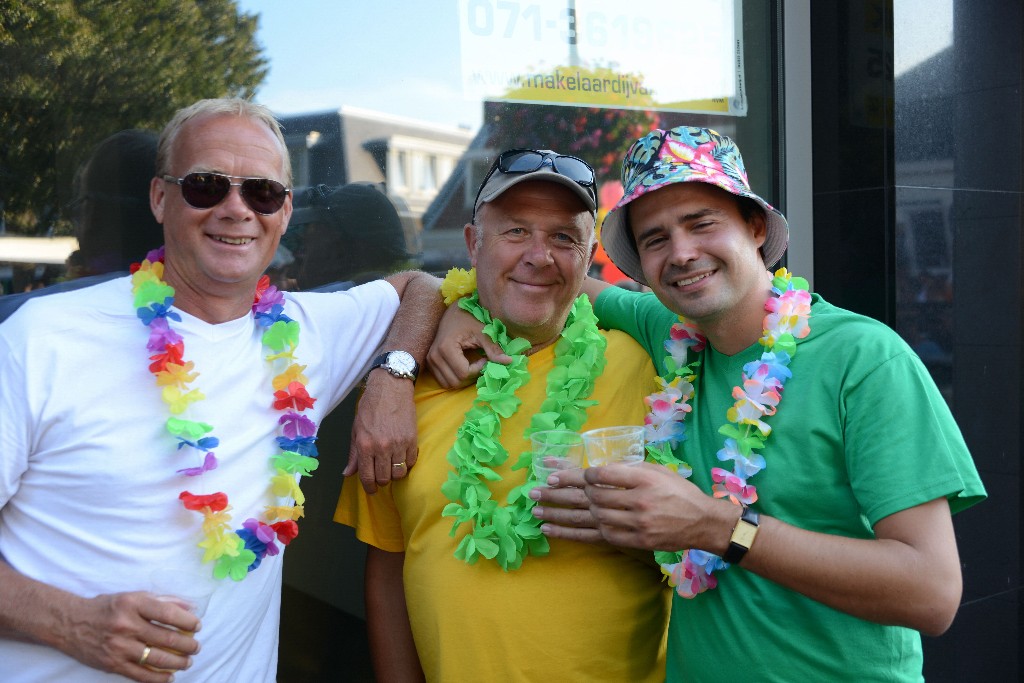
(683, 155)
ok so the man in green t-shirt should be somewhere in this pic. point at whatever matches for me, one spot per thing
(813, 538)
(825, 463)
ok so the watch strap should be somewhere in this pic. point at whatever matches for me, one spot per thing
(742, 536)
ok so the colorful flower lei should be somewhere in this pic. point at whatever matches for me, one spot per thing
(506, 534)
(757, 397)
(457, 284)
(240, 551)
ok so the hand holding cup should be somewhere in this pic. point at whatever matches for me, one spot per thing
(189, 590)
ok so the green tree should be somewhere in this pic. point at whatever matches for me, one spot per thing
(75, 71)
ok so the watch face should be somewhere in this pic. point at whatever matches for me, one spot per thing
(401, 363)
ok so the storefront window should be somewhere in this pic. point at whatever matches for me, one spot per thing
(412, 98)
(392, 114)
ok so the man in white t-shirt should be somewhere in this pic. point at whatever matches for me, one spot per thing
(163, 421)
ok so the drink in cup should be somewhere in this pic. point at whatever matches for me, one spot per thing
(610, 445)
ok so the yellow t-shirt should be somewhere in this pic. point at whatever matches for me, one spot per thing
(581, 613)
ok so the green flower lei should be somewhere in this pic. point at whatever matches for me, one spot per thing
(506, 534)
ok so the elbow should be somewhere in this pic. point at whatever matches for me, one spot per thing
(936, 626)
(935, 612)
(938, 621)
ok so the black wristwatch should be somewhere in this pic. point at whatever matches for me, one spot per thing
(742, 536)
(398, 363)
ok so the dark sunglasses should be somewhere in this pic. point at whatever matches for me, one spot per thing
(207, 190)
(530, 160)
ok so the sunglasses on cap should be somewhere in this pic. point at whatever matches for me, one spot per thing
(207, 190)
(529, 160)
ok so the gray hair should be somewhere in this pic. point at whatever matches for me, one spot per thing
(227, 106)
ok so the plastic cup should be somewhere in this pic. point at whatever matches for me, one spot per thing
(555, 450)
(610, 445)
(192, 589)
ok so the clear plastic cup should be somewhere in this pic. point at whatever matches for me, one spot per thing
(610, 445)
(555, 450)
(192, 589)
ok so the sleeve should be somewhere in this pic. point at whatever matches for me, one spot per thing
(903, 446)
(374, 517)
(640, 315)
(350, 326)
(15, 421)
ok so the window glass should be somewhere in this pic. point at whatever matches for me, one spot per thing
(411, 99)
(392, 114)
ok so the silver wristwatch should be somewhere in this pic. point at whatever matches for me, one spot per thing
(398, 363)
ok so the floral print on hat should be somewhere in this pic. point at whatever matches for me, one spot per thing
(683, 155)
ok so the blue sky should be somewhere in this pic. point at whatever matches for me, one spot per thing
(398, 57)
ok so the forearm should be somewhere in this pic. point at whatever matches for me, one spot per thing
(418, 315)
(387, 621)
(909, 574)
(383, 445)
(108, 632)
(28, 608)
(908, 579)
(592, 287)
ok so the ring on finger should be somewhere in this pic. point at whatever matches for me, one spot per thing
(398, 464)
(145, 655)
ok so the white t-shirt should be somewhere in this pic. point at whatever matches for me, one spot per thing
(88, 490)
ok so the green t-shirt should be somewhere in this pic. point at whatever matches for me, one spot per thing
(861, 433)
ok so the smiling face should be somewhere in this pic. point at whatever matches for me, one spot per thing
(219, 252)
(701, 257)
(534, 248)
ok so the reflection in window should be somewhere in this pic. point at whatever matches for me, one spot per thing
(357, 108)
(428, 181)
(400, 172)
(929, 236)
(424, 127)
(300, 162)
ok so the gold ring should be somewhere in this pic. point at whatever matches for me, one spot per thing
(398, 464)
(145, 655)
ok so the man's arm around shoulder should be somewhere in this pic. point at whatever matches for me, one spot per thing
(383, 445)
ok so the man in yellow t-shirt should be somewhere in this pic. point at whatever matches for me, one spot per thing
(502, 605)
